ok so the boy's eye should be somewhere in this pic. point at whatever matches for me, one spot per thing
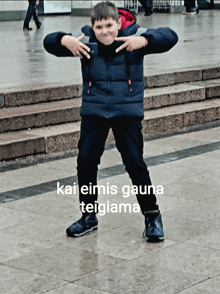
(109, 25)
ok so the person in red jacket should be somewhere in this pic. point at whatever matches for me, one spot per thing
(31, 12)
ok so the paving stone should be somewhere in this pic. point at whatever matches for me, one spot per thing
(192, 190)
(182, 230)
(188, 259)
(207, 135)
(140, 276)
(213, 241)
(204, 287)
(17, 281)
(49, 205)
(71, 288)
(63, 267)
(31, 237)
(11, 218)
(128, 240)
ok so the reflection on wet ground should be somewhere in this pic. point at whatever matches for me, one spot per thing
(24, 61)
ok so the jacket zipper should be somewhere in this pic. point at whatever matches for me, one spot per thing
(90, 77)
(128, 75)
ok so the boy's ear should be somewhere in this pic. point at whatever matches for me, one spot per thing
(119, 24)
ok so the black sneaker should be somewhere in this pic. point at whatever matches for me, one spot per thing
(86, 224)
(153, 228)
(148, 11)
(191, 11)
(39, 25)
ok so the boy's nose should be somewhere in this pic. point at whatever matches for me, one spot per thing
(104, 30)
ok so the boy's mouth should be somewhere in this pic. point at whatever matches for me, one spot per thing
(106, 36)
(106, 39)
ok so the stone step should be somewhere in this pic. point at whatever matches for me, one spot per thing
(171, 95)
(63, 111)
(181, 76)
(181, 116)
(212, 87)
(17, 96)
(39, 115)
(63, 137)
(43, 140)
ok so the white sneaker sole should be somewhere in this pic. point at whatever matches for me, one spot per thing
(190, 13)
(85, 232)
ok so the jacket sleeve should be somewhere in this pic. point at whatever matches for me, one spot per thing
(52, 44)
(159, 40)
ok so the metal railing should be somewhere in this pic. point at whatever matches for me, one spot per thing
(168, 5)
(132, 5)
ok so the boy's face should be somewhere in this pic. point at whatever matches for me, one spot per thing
(106, 30)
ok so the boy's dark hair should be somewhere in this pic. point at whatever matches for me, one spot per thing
(104, 10)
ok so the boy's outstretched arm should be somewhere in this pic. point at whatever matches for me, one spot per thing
(153, 41)
(61, 44)
(159, 40)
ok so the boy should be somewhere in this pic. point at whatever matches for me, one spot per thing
(112, 98)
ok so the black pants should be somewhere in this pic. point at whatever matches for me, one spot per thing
(31, 12)
(129, 142)
(146, 4)
(189, 4)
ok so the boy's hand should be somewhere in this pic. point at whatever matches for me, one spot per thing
(131, 43)
(75, 46)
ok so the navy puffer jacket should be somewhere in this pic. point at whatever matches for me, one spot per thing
(113, 82)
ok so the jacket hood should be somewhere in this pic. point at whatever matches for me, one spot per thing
(129, 23)
(127, 17)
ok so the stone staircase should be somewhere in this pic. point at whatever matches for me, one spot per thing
(46, 119)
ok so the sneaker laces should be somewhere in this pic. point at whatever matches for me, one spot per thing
(151, 223)
(81, 221)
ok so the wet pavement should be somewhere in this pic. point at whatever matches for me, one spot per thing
(36, 255)
(24, 62)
